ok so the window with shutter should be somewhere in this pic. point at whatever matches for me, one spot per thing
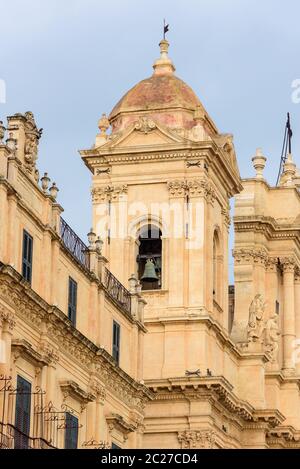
(116, 342)
(72, 302)
(27, 256)
(71, 432)
(22, 414)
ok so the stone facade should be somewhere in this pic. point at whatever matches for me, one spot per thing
(69, 365)
(202, 364)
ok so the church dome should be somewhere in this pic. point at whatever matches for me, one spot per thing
(163, 96)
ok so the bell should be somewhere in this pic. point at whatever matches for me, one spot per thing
(149, 274)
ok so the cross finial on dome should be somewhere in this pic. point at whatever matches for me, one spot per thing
(163, 65)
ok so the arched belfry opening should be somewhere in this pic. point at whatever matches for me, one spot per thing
(149, 258)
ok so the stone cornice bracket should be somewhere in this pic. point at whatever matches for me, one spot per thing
(118, 423)
(72, 389)
(177, 188)
(190, 439)
(250, 256)
(7, 318)
(104, 194)
(22, 348)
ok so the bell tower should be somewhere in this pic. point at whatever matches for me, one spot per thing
(162, 180)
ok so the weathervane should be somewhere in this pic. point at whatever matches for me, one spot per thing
(166, 28)
(287, 146)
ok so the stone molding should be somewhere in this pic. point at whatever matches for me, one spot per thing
(250, 256)
(190, 439)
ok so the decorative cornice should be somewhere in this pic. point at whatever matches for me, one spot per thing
(72, 389)
(145, 125)
(191, 439)
(250, 256)
(117, 422)
(22, 348)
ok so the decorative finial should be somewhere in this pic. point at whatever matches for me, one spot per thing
(259, 163)
(54, 190)
(91, 239)
(164, 65)
(289, 172)
(103, 125)
(45, 182)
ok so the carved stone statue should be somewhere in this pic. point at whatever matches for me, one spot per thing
(256, 319)
(272, 335)
(33, 136)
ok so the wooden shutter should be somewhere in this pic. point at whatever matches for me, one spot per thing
(22, 414)
(72, 304)
(71, 432)
(116, 341)
(27, 256)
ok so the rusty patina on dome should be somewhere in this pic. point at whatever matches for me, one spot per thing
(158, 92)
(169, 100)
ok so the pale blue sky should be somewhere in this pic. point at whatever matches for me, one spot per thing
(68, 61)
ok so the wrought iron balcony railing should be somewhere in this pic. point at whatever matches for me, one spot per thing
(74, 245)
(12, 438)
(117, 291)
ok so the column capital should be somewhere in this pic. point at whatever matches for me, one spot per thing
(288, 264)
(272, 264)
(177, 188)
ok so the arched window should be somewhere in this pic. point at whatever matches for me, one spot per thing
(216, 266)
(149, 257)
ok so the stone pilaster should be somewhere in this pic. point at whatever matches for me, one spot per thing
(289, 333)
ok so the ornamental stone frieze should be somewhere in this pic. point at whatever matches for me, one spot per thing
(197, 439)
(250, 256)
(145, 125)
(24, 308)
(108, 193)
(193, 188)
